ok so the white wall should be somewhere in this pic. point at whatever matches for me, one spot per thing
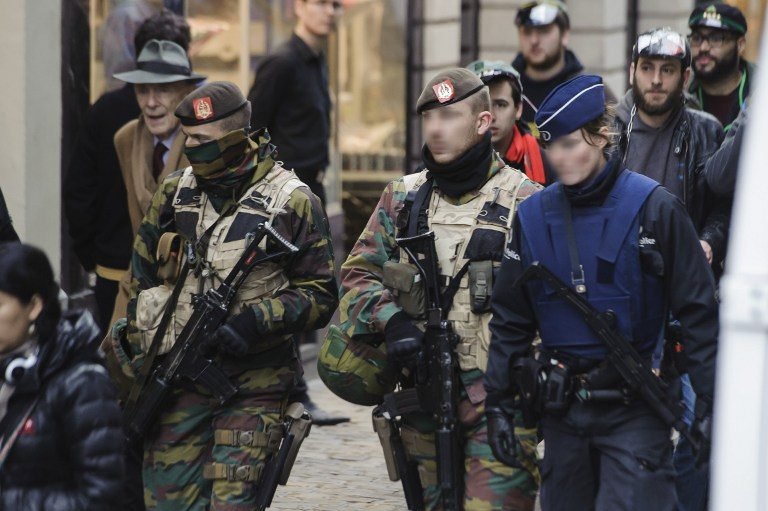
(30, 122)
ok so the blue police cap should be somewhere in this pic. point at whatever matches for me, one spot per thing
(570, 106)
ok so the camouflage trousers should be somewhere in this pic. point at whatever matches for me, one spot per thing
(207, 456)
(489, 485)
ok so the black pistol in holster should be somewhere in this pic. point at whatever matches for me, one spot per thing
(295, 428)
(621, 354)
(186, 359)
(530, 377)
(437, 383)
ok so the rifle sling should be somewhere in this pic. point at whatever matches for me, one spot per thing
(157, 340)
(421, 200)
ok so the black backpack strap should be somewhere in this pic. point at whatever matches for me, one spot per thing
(421, 199)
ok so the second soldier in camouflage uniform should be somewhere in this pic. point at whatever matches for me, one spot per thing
(204, 455)
(472, 204)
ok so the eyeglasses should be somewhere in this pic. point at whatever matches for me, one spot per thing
(714, 39)
(538, 14)
(336, 4)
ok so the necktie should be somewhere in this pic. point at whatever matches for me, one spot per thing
(157, 159)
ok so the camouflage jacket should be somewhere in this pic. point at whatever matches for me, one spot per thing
(306, 303)
(366, 305)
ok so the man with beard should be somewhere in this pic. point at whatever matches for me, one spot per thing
(467, 196)
(722, 78)
(544, 61)
(671, 143)
(663, 139)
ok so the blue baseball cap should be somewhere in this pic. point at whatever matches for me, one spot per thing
(570, 106)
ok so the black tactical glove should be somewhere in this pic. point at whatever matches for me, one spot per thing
(403, 339)
(501, 436)
(235, 336)
(701, 430)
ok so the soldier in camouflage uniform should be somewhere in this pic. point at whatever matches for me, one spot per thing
(473, 199)
(204, 455)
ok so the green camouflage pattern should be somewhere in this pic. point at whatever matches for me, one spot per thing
(365, 307)
(354, 369)
(311, 297)
(489, 485)
(174, 457)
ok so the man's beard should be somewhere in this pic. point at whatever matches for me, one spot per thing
(548, 63)
(673, 100)
(722, 68)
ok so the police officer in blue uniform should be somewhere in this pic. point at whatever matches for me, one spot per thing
(625, 244)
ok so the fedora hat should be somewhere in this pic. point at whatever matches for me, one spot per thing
(161, 62)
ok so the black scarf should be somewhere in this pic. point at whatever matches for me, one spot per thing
(466, 173)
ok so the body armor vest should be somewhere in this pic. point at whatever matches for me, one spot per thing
(607, 239)
(194, 214)
(476, 231)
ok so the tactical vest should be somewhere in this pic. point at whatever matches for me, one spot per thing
(194, 214)
(478, 231)
(607, 238)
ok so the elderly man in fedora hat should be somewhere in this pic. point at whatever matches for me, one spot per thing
(151, 147)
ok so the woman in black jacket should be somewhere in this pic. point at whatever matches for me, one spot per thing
(61, 443)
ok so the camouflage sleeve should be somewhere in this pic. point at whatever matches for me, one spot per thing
(158, 220)
(366, 305)
(310, 299)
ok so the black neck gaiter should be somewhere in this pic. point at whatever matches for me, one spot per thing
(466, 173)
(594, 192)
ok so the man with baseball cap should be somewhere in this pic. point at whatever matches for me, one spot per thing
(510, 138)
(204, 453)
(467, 196)
(722, 77)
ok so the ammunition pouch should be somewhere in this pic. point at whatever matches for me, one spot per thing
(405, 280)
(480, 286)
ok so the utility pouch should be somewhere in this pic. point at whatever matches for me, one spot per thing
(300, 424)
(558, 390)
(406, 281)
(383, 427)
(480, 285)
(169, 256)
(150, 307)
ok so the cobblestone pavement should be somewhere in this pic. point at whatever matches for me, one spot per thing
(339, 467)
